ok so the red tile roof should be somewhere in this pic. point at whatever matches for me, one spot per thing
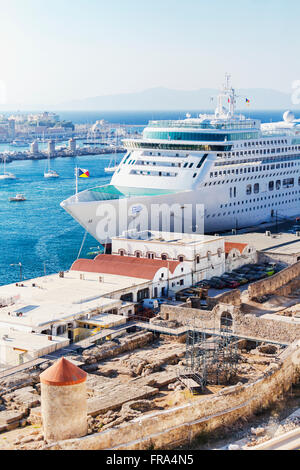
(63, 372)
(238, 246)
(131, 266)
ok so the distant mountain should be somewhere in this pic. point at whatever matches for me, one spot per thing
(166, 99)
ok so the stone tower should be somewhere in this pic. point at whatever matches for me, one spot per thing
(64, 401)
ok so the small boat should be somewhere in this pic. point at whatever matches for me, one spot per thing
(111, 169)
(19, 143)
(113, 165)
(18, 198)
(51, 174)
(6, 175)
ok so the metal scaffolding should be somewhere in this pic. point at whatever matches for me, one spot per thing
(211, 358)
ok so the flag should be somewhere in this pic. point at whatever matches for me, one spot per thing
(83, 173)
(247, 101)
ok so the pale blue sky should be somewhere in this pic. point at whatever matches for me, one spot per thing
(57, 50)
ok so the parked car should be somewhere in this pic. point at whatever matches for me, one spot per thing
(232, 284)
(241, 279)
(219, 281)
(150, 303)
(205, 283)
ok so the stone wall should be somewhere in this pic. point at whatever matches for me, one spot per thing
(267, 328)
(270, 329)
(176, 426)
(271, 284)
(286, 258)
(289, 288)
(232, 297)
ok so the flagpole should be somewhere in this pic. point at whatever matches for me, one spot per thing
(76, 179)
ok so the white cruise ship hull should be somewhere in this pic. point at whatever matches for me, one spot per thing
(194, 211)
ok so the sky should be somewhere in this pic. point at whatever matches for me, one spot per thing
(58, 50)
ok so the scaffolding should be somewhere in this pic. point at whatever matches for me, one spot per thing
(211, 358)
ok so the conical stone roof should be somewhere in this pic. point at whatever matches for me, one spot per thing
(63, 372)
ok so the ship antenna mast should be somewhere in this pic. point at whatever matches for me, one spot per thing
(230, 93)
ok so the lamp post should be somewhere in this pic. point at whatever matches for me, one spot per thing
(21, 272)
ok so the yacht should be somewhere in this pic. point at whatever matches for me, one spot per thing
(18, 198)
(50, 173)
(6, 175)
(223, 170)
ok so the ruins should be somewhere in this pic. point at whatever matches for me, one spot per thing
(161, 384)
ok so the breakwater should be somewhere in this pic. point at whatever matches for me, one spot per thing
(61, 153)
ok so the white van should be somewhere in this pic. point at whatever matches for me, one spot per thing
(150, 303)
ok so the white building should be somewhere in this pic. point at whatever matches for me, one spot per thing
(17, 347)
(57, 304)
(238, 254)
(203, 254)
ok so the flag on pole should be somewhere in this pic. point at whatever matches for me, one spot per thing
(83, 173)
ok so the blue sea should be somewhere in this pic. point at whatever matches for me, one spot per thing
(38, 233)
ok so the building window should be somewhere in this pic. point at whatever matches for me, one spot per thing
(142, 294)
(209, 255)
(164, 257)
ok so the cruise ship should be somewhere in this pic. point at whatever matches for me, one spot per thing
(233, 171)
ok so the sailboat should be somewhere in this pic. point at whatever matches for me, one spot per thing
(113, 165)
(48, 173)
(5, 175)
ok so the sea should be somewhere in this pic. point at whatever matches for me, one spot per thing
(38, 233)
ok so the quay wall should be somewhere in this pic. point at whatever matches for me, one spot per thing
(182, 424)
